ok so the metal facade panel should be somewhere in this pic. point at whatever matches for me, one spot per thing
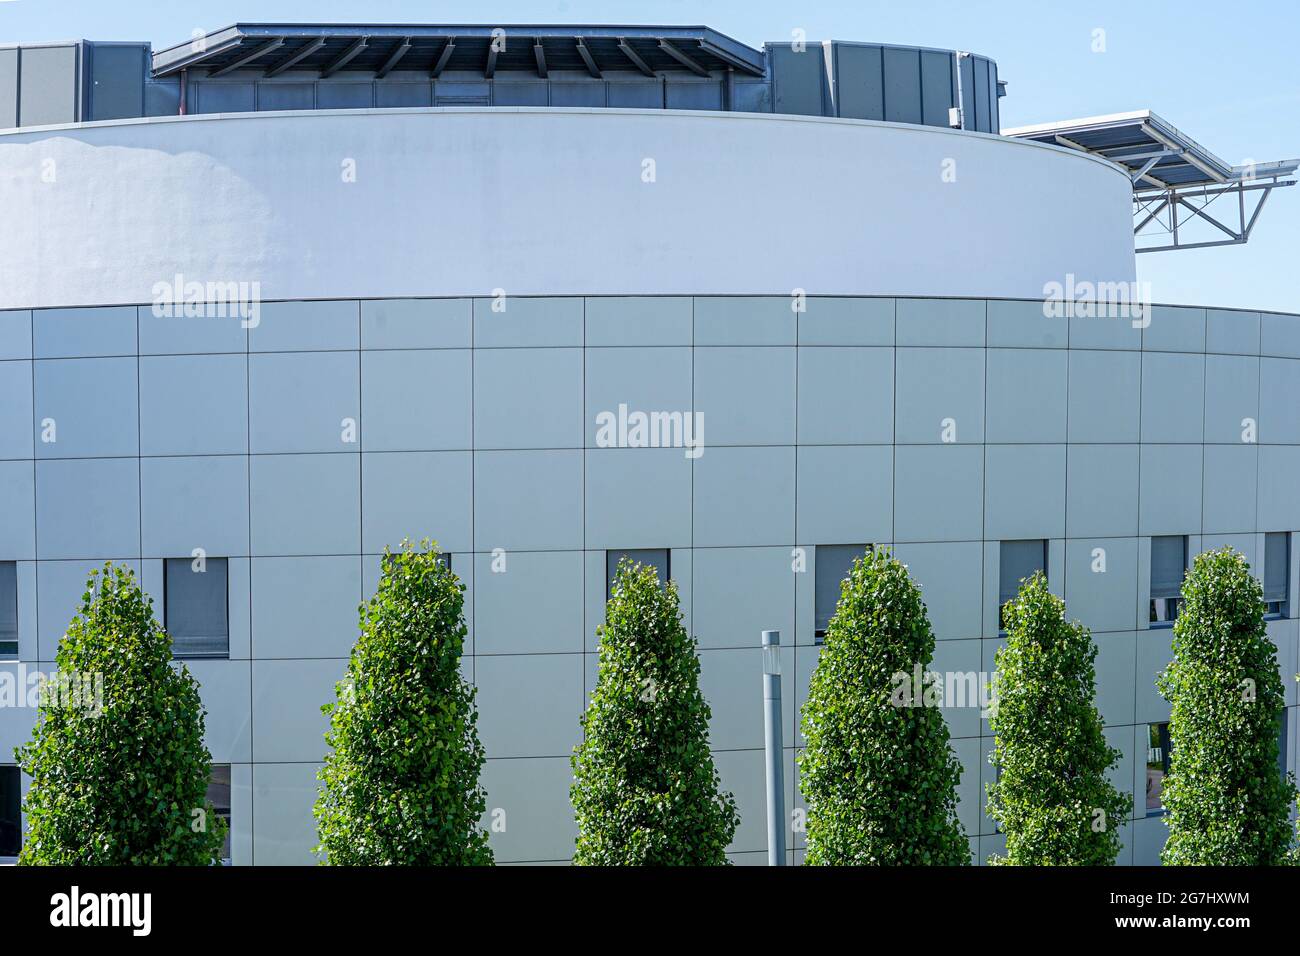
(588, 93)
(286, 96)
(996, 106)
(399, 93)
(646, 95)
(345, 96)
(162, 97)
(902, 85)
(218, 97)
(750, 97)
(526, 93)
(799, 80)
(982, 121)
(48, 89)
(991, 109)
(937, 87)
(117, 73)
(688, 95)
(8, 88)
(859, 90)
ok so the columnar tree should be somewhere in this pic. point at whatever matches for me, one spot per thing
(401, 784)
(878, 775)
(118, 766)
(1226, 799)
(645, 788)
(1052, 797)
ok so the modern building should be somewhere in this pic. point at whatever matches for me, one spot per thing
(281, 296)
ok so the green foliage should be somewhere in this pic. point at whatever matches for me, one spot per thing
(1052, 798)
(400, 787)
(878, 774)
(645, 789)
(1227, 802)
(119, 777)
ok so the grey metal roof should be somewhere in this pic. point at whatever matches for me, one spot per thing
(434, 49)
(1157, 154)
(1176, 180)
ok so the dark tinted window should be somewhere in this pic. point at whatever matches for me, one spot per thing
(11, 825)
(1168, 565)
(197, 608)
(834, 561)
(8, 610)
(1018, 561)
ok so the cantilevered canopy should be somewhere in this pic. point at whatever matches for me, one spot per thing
(1175, 178)
(433, 50)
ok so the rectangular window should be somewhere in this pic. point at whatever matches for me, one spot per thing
(1277, 573)
(8, 610)
(834, 562)
(1168, 565)
(196, 607)
(658, 558)
(1017, 561)
(1157, 766)
(11, 821)
(219, 797)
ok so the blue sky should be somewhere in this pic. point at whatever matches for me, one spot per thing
(1227, 78)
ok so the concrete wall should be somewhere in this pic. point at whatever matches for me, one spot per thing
(547, 201)
(478, 428)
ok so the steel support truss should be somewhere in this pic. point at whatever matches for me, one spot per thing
(1166, 212)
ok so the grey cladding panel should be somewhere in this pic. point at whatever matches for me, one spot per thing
(395, 94)
(694, 96)
(936, 87)
(590, 93)
(531, 93)
(749, 97)
(464, 91)
(117, 80)
(218, 97)
(799, 79)
(983, 121)
(285, 96)
(345, 96)
(858, 78)
(995, 116)
(902, 86)
(646, 96)
(162, 97)
(8, 88)
(48, 91)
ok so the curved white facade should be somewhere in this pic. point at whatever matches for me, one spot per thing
(921, 401)
(548, 202)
